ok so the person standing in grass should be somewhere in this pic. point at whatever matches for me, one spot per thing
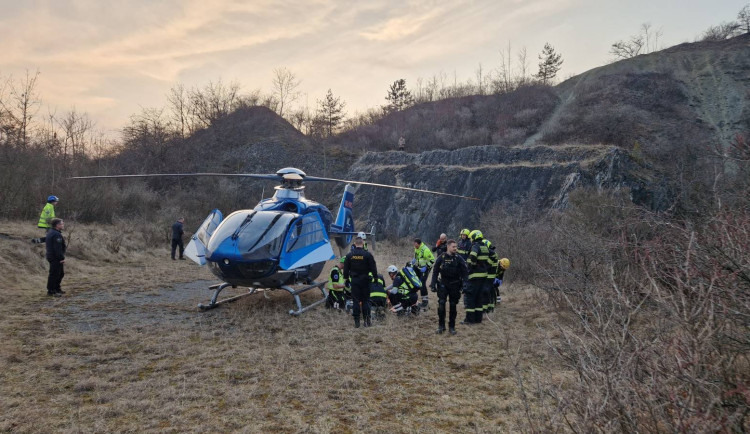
(453, 272)
(177, 233)
(359, 265)
(45, 219)
(56, 257)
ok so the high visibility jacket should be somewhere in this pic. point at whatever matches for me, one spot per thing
(48, 213)
(336, 278)
(424, 256)
(377, 287)
(492, 260)
(464, 247)
(478, 260)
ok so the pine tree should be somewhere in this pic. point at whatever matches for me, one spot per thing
(549, 64)
(398, 97)
(330, 114)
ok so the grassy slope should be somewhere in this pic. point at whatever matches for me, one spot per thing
(247, 366)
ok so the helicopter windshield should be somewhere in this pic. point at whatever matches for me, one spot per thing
(260, 234)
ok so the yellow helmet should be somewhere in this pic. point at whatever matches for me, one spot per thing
(475, 234)
(505, 263)
(464, 232)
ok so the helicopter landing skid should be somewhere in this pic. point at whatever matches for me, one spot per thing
(217, 289)
(296, 293)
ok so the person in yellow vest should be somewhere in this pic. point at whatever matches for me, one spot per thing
(378, 297)
(335, 286)
(422, 262)
(45, 219)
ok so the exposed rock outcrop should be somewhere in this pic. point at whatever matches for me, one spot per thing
(495, 175)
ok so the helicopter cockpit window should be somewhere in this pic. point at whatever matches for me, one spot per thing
(208, 226)
(263, 236)
(305, 232)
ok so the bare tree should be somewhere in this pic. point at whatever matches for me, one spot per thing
(644, 42)
(743, 19)
(721, 32)
(479, 73)
(213, 102)
(21, 106)
(285, 84)
(179, 104)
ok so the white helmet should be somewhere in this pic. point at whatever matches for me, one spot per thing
(362, 235)
(392, 269)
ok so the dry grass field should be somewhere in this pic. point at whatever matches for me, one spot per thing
(127, 350)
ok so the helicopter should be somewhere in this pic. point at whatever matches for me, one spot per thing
(283, 241)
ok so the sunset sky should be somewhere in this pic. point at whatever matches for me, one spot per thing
(110, 59)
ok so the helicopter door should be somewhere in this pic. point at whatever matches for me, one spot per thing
(196, 249)
(306, 243)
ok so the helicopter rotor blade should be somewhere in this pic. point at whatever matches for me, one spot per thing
(316, 178)
(271, 177)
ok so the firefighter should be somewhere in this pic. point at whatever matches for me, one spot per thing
(402, 292)
(45, 219)
(423, 261)
(502, 265)
(358, 264)
(478, 267)
(488, 293)
(336, 286)
(464, 244)
(453, 273)
(378, 296)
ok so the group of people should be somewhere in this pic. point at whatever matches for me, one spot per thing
(55, 245)
(469, 266)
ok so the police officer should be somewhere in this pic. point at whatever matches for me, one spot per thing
(423, 261)
(358, 265)
(453, 273)
(464, 244)
(177, 232)
(478, 267)
(55, 244)
(335, 286)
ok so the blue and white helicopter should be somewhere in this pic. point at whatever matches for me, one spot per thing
(284, 241)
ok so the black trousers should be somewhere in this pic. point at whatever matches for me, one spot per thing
(55, 277)
(448, 293)
(361, 294)
(176, 243)
(423, 279)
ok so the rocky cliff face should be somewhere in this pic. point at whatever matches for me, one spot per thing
(494, 174)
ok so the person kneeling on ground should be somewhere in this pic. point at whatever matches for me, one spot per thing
(402, 292)
(378, 296)
(336, 286)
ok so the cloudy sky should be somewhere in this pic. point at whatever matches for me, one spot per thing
(112, 58)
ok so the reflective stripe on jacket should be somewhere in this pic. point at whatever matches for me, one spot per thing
(424, 256)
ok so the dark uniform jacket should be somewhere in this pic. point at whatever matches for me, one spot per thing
(464, 247)
(55, 245)
(359, 264)
(177, 231)
(451, 268)
(440, 248)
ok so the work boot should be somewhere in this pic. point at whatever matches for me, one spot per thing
(54, 294)
(356, 322)
(368, 321)
(424, 303)
(440, 330)
(452, 330)
(182, 258)
(60, 291)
